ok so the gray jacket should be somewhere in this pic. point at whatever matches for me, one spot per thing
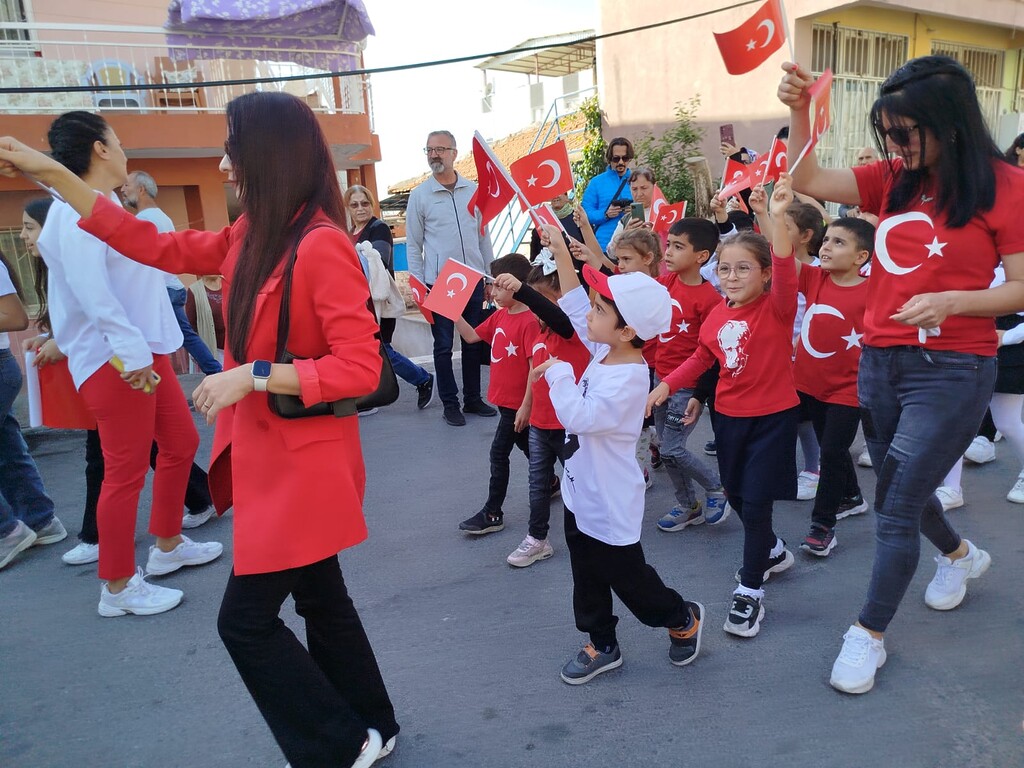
(439, 226)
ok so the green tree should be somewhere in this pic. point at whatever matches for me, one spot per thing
(592, 160)
(666, 154)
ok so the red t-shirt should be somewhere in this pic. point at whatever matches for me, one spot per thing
(828, 349)
(573, 351)
(511, 338)
(754, 344)
(691, 305)
(917, 252)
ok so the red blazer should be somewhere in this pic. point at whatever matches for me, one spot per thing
(296, 485)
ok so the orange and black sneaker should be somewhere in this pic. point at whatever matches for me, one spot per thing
(589, 663)
(686, 642)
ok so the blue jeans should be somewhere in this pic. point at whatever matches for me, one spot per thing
(406, 368)
(443, 331)
(21, 489)
(545, 447)
(505, 439)
(920, 409)
(682, 465)
(193, 344)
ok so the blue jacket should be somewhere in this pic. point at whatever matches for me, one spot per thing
(596, 199)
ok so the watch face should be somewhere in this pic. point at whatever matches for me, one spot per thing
(261, 369)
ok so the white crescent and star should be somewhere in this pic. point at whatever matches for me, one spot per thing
(556, 172)
(853, 340)
(510, 351)
(665, 216)
(490, 169)
(805, 328)
(416, 294)
(882, 246)
(664, 339)
(456, 276)
(769, 26)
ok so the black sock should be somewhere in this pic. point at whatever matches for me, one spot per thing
(607, 648)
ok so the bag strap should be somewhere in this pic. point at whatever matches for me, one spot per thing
(621, 185)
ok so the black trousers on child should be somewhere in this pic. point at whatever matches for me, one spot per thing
(836, 428)
(598, 569)
(505, 439)
(317, 703)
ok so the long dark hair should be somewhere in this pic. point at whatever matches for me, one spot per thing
(285, 176)
(71, 138)
(37, 210)
(1011, 152)
(937, 93)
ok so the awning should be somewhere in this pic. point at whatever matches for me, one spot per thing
(551, 56)
(321, 34)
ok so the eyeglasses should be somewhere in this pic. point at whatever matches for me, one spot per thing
(437, 150)
(360, 204)
(743, 269)
(897, 134)
(621, 158)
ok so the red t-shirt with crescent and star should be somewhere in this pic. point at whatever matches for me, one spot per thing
(917, 252)
(511, 337)
(828, 348)
(549, 344)
(691, 305)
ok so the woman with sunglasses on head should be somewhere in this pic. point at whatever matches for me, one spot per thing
(296, 485)
(947, 206)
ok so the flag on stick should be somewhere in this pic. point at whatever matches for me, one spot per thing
(669, 215)
(543, 174)
(452, 289)
(751, 44)
(494, 189)
(544, 215)
(774, 163)
(821, 105)
(419, 295)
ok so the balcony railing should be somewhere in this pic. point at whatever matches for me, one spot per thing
(64, 56)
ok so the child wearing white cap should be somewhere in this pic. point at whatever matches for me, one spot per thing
(603, 486)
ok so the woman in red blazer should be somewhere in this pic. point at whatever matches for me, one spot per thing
(296, 485)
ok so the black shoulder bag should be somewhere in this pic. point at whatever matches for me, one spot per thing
(290, 406)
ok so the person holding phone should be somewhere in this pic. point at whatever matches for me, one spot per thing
(607, 196)
(641, 187)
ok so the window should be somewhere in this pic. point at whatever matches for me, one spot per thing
(856, 52)
(12, 11)
(986, 66)
(21, 264)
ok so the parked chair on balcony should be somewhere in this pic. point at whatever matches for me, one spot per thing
(173, 73)
(113, 72)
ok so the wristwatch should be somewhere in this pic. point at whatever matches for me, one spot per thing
(260, 375)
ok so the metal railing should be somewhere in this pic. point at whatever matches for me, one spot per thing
(512, 225)
(64, 56)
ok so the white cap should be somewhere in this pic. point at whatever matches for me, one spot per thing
(642, 301)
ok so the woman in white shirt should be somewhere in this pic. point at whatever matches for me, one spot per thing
(26, 512)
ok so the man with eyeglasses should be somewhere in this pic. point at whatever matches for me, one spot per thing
(438, 227)
(607, 195)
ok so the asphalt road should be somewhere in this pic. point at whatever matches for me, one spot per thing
(471, 648)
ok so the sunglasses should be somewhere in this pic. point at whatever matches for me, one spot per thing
(621, 158)
(897, 134)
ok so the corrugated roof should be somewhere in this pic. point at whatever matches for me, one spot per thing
(561, 55)
(510, 149)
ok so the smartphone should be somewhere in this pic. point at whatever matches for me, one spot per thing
(636, 211)
(727, 134)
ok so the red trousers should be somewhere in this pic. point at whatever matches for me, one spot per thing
(128, 421)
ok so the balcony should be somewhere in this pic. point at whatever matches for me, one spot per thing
(62, 56)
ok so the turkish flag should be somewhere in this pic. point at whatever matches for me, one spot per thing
(669, 215)
(543, 174)
(544, 215)
(452, 289)
(658, 199)
(751, 44)
(736, 177)
(773, 164)
(821, 106)
(419, 295)
(62, 406)
(494, 190)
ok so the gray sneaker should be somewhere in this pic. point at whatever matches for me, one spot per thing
(195, 519)
(51, 533)
(18, 540)
(589, 663)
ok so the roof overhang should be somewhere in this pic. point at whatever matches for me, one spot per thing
(559, 55)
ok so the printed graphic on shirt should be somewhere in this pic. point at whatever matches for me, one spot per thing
(572, 444)
(732, 337)
(852, 340)
(882, 255)
(505, 350)
(677, 326)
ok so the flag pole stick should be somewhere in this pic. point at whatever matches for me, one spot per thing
(789, 38)
(504, 171)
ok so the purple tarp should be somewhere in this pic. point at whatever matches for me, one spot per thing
(322, 34)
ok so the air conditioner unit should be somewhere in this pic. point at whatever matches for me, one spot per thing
(487, 102)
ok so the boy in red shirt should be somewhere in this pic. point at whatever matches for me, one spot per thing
(511, 332)
(825, 371)
(691, 242)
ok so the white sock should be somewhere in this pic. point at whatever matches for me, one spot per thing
(780, 545)
(755, 593)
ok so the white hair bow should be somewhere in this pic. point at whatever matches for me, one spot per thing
(546, 260)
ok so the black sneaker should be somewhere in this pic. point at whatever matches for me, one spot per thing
(710, 448)
(745, 616)
(776, 564)
(850, 506)
(425, 392)
(685, 643)
(656, 462)
(483, 522)
(453, 416)
(589, 663)
(820, 541)
(480, 408)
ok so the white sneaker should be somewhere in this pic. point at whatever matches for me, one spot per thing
(949, 585)
(388, 748)
(861, 656)
(529, 552)
(190, 520)
(950, 497)
(864, 460)
(51, 533)
(82, 554)
(187, 553)
(806, 485)
(1016, 494)
(980, 451)
(138, 597)
(369, 754)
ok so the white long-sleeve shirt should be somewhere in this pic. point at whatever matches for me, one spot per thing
(163, 223)
(101, 303)
(602, 483)
(6, 288)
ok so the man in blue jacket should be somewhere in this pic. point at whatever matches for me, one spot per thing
(608, 188)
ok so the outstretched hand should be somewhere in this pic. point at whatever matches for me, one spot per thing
(782, 195)
(793, 88)
(658, 396)
(16, 157)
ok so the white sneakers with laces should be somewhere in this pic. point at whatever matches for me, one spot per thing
(949, 585)
(138, 597)
(1016, 494)
(82, 554)
(530, 551)
(950, 497)
(187, 553)
(861, 656)
(806, 486)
